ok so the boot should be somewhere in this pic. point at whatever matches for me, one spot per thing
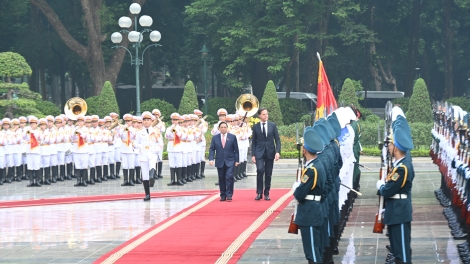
(184, 177)
(112, 174)
(179, 176)
(73, 172)
(55, 174)
(131, 177)
(37, 176)
(24, 169)
(126, 178)
(147, 190)
(2, 175)
(68, 175)
(196, 170)
(244, 170)
(203, 166)
(79, 178)
(105, 173)
(235, 170)
(160, 166)
(239, 171)
(19, 173)
(99, 174)
(138, 176)
(172, 176)
(91, 181)
(31, 178)
(61, 169)
(193, 172)
(9, 175)
(47, 176)
(155, 175)
(118, 170)
(84, 174)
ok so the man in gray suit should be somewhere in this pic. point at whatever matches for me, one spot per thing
(265, 148)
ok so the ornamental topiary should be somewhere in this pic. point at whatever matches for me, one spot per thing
(47, 108)
(13, 65)
(188, 100)
(165, 108)
(104, 103)
(419, 109)
(402, 102)
(292, 110)
(348, 96)
(271, 102)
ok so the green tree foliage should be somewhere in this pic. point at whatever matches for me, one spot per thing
(104, 103)
(188, 100)
(419, 109)
(348, 93)
(402, 102)
(292, 110)
(48, 108)
(216, 103)
(462, 101)
(271, 102)
(23, 105)
(13, 65)
(165, 108)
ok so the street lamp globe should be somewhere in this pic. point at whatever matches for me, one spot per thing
(125, 22)
(145, 21)
(116, 37)
(155, 36)
(204, 51)
(134, 36)
(134, 9)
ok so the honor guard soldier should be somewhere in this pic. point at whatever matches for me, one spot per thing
(309, 216)
(116, 165)
(33, 152)
(137, 123)
(110, 144)
(44, 138)
(147, 144)
(80, 151)
(160, 126)
(3, 164)
(17, 150)
(23, 146)
(198, 135)
(185, 148)
(175, 153)
(244, 143)
(52, 148)
(106, 148)
(68, 127)
(356, 125)
(61, 149)
(201, 142)
(9, 147)
(396, 189)
(127, 137)
(91, 145)
(101, 147)
(221, 113)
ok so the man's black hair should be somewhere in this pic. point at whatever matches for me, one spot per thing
(223, 123)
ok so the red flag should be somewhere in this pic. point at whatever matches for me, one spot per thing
(177, 140)
(128, 138)
(33, 141)
(326, 102)
(81, 142)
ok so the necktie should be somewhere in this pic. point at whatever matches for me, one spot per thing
(147, 130)
(223, 140)
(264, 130)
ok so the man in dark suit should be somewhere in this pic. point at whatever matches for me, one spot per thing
(265, 148)
(225, 147)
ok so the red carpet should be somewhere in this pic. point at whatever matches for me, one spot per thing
(210, 231)
(98, 198)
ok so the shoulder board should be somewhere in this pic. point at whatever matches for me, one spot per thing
(406, 175)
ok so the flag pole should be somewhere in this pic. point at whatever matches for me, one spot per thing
(318, 56)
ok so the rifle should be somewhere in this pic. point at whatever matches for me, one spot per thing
(385, 160)
(293, 227)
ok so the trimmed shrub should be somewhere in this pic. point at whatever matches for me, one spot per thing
(165, 108)
(462, 101)
(216, 103)
(348, 96)
(420, 133)
(271, 102)
(188, 100)
(419, 109)
(48, 108)
(104, 103)
(13, 65)
(373, 118)
(292, 110)
(402, 102)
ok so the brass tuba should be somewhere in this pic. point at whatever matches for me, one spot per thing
(247, 104)
(157, 121)
(74, 107)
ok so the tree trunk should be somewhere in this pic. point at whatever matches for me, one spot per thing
(73, 76)
(413, 42)
(259, 78)
(387, 74)
(62, 84)
(42, 76)
(448, 35)
(374, 73)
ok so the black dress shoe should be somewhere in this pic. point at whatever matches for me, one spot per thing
(222, 199)
(258, 197)
(147, 198)
(229, 198)
(217, 183)
(266, 197)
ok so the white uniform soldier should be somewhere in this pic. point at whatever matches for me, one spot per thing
(44, 140)
(10, 137)
(116, 166)
(17, 151)
(186, 146)
(107, 169)
(244, 143)
(91, 150)
(194, 145)
(175, 153)
(221, 113)
(24, 164)
(3, 163)
(137, 124)
(61, 148)
(147, 144)
(201, 144)
(101, 148)
(53, 162)
(80, 151)
(33, 152)
(161, 127)
(69, 127)
(126, 135)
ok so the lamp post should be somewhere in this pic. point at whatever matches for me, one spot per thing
(205, 55)
(136, 38)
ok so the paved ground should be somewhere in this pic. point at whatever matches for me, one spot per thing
(81, 233)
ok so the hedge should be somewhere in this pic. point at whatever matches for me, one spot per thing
(165, 108)
(421, 134)
(292, 110)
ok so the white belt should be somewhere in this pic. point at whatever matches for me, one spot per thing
(399, 196)
(313, 197)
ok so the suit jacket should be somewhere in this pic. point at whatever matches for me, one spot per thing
(261, 143)
(227, 155)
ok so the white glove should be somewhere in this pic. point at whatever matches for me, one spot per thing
(295, 185)
(379, 184)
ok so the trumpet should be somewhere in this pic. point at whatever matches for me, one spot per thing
(116, 122)
(201, 120)
(157, 121)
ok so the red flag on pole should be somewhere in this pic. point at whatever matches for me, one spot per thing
(326, 102)
(33, 141)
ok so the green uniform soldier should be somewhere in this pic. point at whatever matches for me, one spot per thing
(309, 195)
(396, 190)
